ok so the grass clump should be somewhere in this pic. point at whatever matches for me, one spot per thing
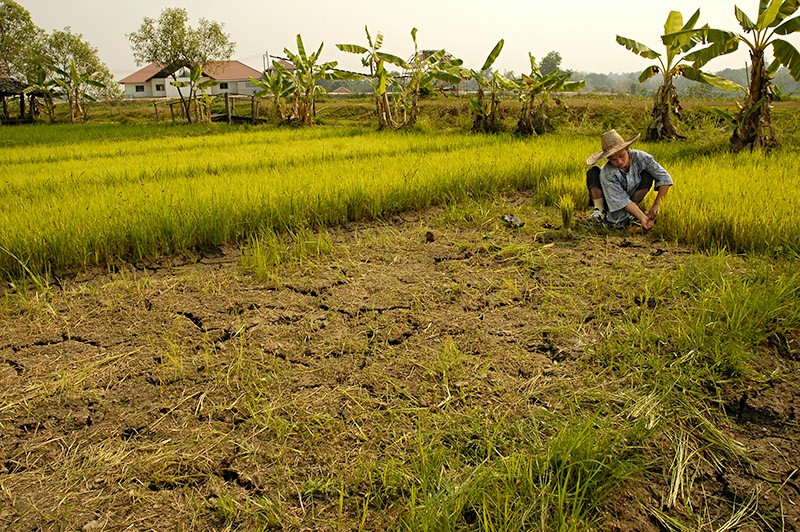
(560, 482)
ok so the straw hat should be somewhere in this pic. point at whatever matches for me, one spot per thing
(612, 142)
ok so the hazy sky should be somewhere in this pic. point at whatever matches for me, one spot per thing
(582, 31)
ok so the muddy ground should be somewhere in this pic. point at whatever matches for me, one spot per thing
(145, 398)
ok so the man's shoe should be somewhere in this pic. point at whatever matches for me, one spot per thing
(597, 216)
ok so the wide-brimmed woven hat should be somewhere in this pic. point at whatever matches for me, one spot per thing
(612, 142)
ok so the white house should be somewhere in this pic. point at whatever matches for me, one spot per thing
(153, 81)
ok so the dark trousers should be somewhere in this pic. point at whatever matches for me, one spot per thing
(593, 181)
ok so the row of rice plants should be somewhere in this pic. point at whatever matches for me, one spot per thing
(98, 202)
(113, 198)
(741, 202)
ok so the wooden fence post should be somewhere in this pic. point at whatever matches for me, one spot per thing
(228, 108)
(155, 106)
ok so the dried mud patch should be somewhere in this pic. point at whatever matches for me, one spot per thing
(164, 395)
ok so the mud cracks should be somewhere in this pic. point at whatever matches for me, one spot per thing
(153, 396)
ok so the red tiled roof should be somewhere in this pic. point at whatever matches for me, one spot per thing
(220, 70)
(145, 74)
(230, 70)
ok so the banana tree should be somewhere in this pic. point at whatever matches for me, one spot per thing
(41, 85)
(753, 124)
(277, 82)
(379, 77)
(73, 85)
(485, 114)
(679, 39)
(307, 75)
(197, 89)
(423, 69)
(534, 119)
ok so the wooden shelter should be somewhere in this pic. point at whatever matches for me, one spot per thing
(11, 88)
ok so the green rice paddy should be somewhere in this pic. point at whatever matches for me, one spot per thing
(80, 196)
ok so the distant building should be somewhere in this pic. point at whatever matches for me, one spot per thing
(153, 81)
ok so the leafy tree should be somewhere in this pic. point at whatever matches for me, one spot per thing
(62, 48)
(19, 37)
(534, 117)
(753, 123)
(679, 39)
(173, 43)
(550, 63)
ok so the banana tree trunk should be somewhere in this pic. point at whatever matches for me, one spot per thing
(494, 112)
(414, 112)
(665, 105)
(384, 110)
(77, 101)
(479, 123)
(279, 109)
(754, 127)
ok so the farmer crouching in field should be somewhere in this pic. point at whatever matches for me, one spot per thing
(617, 189)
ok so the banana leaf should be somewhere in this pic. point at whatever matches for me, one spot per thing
(766, 17)
(744, 20)
(716, 49)
(788, 9)
(638, 48)
(393, 59)
(790, 26)
(674, 22)
(352, 48)
(692, 21)
(301, 50)
(492, 56)
(695, 74)
(788, 56)
(447, 77)
(648, 73)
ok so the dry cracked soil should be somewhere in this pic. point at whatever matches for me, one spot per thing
(137, 399)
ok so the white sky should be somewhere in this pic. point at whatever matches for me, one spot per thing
(582, 31)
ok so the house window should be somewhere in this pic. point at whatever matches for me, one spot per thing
(159, 87)
(139, 88)
(223, 85)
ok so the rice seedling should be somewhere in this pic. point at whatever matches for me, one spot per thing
(567, 206)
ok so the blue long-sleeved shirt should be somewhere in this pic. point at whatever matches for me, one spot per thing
(618, 185)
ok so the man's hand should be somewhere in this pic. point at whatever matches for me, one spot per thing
(653, 212)
(637, 213)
